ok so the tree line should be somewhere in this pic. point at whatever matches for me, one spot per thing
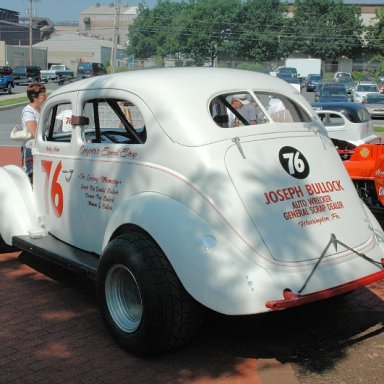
(254, 30)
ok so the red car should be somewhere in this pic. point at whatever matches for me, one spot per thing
(380, 84)
(366, 168)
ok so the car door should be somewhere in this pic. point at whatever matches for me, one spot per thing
(111, 140)
(55, 155)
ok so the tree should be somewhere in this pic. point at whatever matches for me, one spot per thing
(205, 28)
(258, 30)
(325, 29)
(375, 32)
(153, 32)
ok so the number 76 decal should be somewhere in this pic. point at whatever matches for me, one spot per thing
(53, 192)
(294, 162)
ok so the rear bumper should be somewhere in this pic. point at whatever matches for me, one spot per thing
(292, 299)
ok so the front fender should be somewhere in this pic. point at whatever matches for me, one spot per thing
(18, 211)
(209, 266)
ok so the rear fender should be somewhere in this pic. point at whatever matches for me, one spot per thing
(18, 209)
(204, 256)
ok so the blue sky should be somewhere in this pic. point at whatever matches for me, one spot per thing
(61, 10)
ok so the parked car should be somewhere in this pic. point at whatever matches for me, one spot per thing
(57, 72)
(294, 81)
(287, 71)
(89, 69)
(320, 86)
(139, 184)
(347, 122)
(343, 75)
(349, 84)
(333, 93)
(6, 79)
(365, 167)
(380, 84)
(26, 74)
(311, 82)
(361, 150)
(362, 90)
(374, 103)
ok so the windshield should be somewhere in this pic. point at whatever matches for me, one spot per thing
(333, 91)
(366, 88)
(375, 99)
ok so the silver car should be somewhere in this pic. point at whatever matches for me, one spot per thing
(374, 103)
(362, 90)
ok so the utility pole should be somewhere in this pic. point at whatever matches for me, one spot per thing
(115, 35)
(30, 12)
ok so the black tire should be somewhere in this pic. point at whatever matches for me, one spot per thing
(142, 301)
(9, 89)
(5, 248)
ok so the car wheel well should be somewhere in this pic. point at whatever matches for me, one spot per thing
(129, 228)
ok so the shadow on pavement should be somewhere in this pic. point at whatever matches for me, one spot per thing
(314, 337)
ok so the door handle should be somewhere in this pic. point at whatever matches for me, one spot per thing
(68, 174)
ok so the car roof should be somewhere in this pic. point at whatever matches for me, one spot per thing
(179, 98)
(347, 108)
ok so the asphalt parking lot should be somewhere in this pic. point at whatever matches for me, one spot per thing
(52, 333)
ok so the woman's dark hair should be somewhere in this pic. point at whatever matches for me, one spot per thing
(34, 89)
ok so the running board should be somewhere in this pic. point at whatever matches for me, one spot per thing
(56, 251)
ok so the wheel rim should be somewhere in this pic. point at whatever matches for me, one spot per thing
(123, 298)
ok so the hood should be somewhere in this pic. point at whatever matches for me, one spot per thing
(296, 201)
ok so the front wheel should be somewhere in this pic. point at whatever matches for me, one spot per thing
(9, 88)
(142, 301)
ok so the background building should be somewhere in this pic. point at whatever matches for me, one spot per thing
(102, 21)
(71, 49)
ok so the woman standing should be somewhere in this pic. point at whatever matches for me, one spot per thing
(30, 116)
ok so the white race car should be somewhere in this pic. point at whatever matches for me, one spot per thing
(187, 189)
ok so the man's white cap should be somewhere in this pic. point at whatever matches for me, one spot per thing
(242, 98)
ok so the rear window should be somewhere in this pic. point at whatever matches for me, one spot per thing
(238, 109)
(5, 71)
(364, 115)
(84, 67)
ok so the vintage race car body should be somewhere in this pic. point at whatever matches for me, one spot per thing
(347, 121)
(250, 217)
(366, 168)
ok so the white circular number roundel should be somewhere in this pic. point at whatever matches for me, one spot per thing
(294, 162)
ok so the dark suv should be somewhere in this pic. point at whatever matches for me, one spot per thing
(6, 79)
(26, 74)
(89, 69)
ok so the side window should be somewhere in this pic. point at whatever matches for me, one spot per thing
(243, 108)
(58, 125)
(364, 115)
(330, 119)
(113, 121)
(236, 109)
(281, 109)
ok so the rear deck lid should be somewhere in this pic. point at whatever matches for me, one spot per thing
(297, 194)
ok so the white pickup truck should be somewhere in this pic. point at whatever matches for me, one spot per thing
(141, 182)
(57, 72)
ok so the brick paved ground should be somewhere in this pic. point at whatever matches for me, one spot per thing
(51, 332)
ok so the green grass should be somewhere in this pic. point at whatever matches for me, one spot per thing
(379, 129)
(5, 103)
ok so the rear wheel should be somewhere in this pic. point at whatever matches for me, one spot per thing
(9, 88)
(142, 301)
